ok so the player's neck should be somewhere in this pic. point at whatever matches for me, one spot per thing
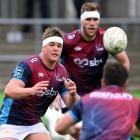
(49, 64)
(87, 38)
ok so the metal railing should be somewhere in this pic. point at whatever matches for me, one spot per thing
(67, 21)
(123, 22)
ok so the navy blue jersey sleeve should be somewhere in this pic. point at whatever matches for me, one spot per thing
(76, 111)
(22, 72)
(63, 90)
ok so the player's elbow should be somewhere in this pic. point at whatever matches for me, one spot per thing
(8, 91)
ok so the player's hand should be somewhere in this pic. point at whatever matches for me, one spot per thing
(75, 132)
(70, 85)
(39, 88)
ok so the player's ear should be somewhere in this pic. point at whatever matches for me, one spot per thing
(125, 85)
(103, 82)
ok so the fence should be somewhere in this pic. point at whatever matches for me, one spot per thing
(14, 52)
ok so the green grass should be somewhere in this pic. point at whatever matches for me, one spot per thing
(136, 93)
(1, 97)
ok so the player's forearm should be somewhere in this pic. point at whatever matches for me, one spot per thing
(126, 64)
(72, 98)
(71, 131)
(17, 92)
(123, 59)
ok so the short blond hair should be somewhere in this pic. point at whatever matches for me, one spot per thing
(52, 31)
(90, 6)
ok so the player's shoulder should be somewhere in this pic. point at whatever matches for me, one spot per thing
(32, 59)
(101, 31)
(61, 67)
(61, 70)
(86, 97)
(71, 36)
(30, 62)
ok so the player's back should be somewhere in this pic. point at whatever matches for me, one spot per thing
(108, 114)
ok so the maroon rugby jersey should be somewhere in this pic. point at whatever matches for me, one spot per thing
(84, 60)
(29, 111)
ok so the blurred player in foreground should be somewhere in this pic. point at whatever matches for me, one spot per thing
(34, 85)
(108, 113)
(84, 54)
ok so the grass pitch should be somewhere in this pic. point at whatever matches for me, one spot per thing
(136, 93)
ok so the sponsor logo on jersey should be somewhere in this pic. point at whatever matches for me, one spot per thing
(58, 78)
(40, 74)
(99, 47)
(109, 95)
(7, 131)
(18, 72)
(85, 62)
(50, 93)
(77, 48)
(71, 36)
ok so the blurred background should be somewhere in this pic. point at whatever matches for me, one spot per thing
(22, 23)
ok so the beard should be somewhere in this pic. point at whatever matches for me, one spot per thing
(89, 34)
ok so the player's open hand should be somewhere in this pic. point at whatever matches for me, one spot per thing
(70, 85)
(39, 88)
(75, 132)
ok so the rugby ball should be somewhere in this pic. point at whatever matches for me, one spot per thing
(115, 40)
